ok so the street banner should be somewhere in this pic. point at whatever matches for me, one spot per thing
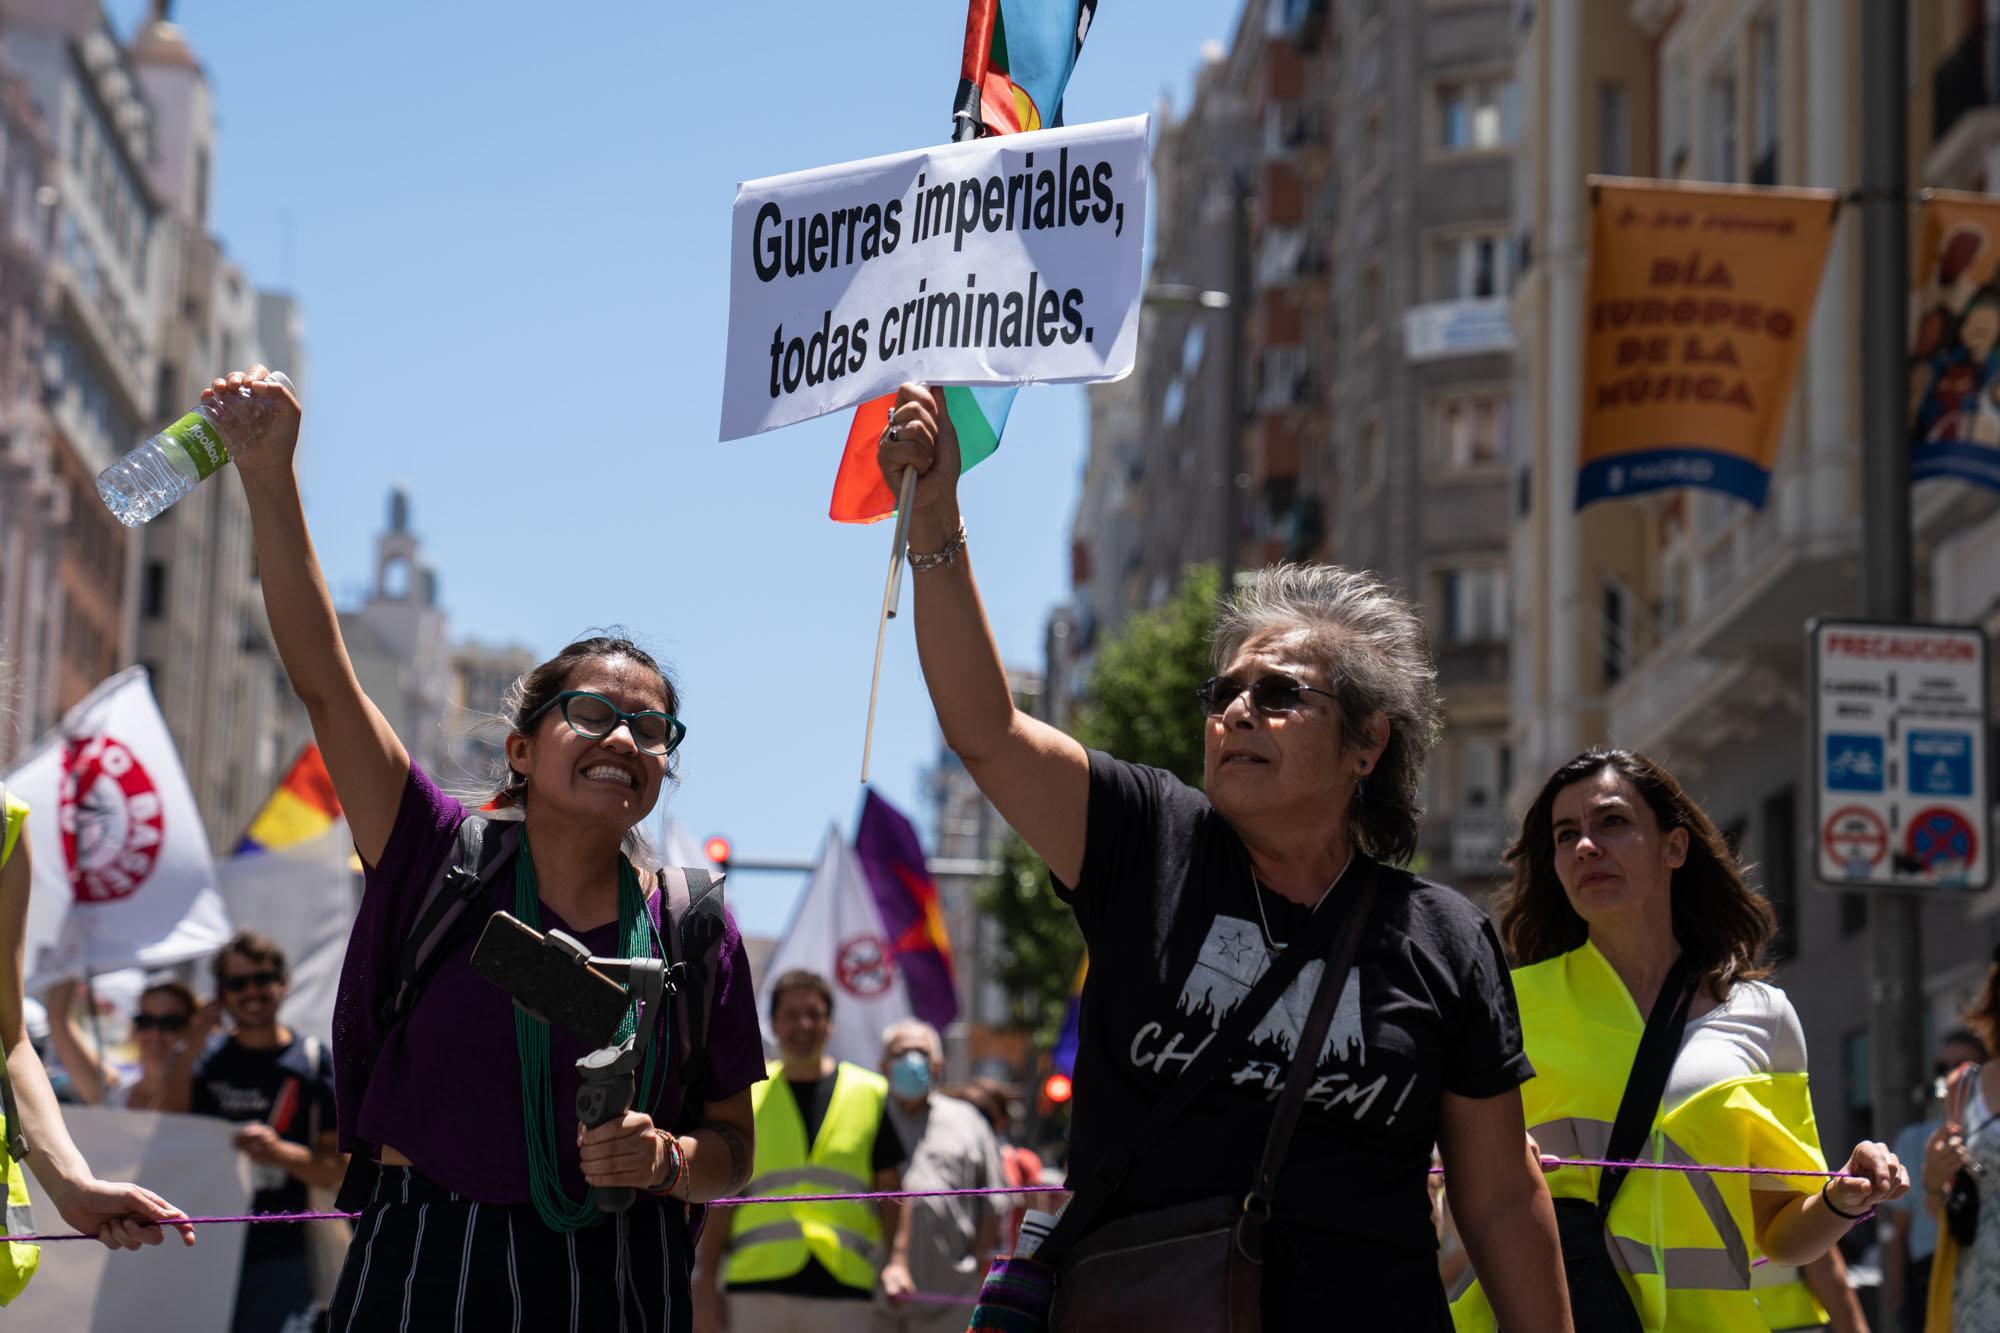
(837, 931)
(292, 878)
(123, 877)
(1700, 297)
(1006, 260)
(1898, 756)
(187, 1160)
(1955, 341)
(886, 844)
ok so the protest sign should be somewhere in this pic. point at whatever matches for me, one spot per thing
(1007, 260)
(1700, 296)
(1955, 342)
(187, 1160)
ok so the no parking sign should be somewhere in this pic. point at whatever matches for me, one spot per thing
(1899, 758)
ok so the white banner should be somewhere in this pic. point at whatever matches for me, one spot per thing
(123, 876)
(188, 1161)
(837, 932)
(1007, 260)
(304, 898)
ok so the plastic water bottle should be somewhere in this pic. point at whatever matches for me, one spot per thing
(146, 482)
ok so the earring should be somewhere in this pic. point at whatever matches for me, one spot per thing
(1361, 786)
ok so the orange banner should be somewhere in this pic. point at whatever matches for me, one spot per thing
(1955, 341)
(1700, 296)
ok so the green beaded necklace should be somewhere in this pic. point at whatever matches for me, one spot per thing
(531, 1039)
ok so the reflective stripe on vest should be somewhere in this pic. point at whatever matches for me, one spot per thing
(1684, 1242)
(768, 1242)
(17, 1262)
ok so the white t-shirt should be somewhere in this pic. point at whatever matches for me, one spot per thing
(1754, 1031)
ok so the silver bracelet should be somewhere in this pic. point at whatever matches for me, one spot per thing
(923, 564)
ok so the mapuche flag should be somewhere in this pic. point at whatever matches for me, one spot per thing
(905, 894)
(1017, 60)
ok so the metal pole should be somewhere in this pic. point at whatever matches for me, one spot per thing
(1896, 1033)
(1234, 399)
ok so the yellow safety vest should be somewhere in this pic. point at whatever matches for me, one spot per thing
(772, 1241)
(1684, 1243)
(1785, 1299)
(17, 1262)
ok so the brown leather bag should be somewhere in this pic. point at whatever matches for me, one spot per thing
(1196, 1267)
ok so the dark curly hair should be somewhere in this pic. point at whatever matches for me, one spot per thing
(1722, 924)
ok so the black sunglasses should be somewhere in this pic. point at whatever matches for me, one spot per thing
(244, 981)
(1268, 695)
(159, 1022)
(595, 717)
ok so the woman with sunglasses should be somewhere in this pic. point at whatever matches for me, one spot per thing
(483, 1213)
(1315, 728)
(1630, 919)
(169, 1028)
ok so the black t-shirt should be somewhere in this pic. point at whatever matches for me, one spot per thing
(288, 1089)
(813, 1097)
(1165, 902)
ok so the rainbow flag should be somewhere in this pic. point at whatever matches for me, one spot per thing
(1017, 60)
(892, 859)
(301, 809)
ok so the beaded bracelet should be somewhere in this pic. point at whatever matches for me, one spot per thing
(675, 1158)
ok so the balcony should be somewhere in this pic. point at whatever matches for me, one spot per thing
(1965, 109)
(1472, 327)
(1677, 703)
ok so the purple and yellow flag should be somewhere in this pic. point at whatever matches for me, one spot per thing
(301, 809)
(906, 896)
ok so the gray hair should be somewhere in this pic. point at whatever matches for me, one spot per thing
(1377, 659)
(913, 1027)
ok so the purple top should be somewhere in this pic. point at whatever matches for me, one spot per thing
(444, 1088)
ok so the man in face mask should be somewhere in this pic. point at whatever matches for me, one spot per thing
(951, 1147)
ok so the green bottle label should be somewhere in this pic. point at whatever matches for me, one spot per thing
(198, 440)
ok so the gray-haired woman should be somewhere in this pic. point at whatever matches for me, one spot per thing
(1318, 722)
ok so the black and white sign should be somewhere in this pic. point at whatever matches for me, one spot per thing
(1900, 730)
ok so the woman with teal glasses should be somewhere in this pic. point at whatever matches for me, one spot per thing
(480, 1209)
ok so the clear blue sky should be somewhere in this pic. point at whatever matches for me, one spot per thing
(508, 227)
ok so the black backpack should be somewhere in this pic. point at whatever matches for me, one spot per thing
(448, 914)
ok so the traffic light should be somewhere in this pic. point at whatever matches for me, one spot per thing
(717, 849)
(1056, 1088)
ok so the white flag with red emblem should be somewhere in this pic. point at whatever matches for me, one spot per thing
(123, 876)
(837, 932)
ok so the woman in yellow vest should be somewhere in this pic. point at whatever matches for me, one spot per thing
(123, 1216)
(1618, 875)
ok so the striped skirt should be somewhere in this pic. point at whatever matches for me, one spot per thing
(426, 1258)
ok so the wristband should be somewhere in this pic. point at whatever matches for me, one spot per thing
(1836, 1209)
(676, 1164)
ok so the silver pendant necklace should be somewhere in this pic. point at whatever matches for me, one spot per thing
(1272, 948)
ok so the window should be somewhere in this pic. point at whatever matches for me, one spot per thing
(1614, 130)
(1471, 430)
(1853, 914)
(1616, 645)
(1477, 113)
(1674, 112)
(1471, 266)
(1371, 296)
(1764, 89)
(1473, 604)
(153, 601)
(1368, 463)
(1480, 779)
(1173, 402)
(1720, 132)
(1777, 837)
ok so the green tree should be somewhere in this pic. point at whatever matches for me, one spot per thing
(1139, 705)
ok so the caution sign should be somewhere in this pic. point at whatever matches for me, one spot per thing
(1898, 751)
(1856, 839)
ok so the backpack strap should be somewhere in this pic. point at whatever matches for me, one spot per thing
(695, 927)
(484, 846)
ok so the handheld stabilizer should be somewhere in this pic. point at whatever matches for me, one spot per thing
(556, 980)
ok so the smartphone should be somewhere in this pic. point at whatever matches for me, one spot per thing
(548, 982)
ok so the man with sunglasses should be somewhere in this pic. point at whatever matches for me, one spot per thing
(279, 1084)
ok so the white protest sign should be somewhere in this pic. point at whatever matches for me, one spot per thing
(1006, 260)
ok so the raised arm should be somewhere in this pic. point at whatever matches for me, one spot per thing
(1037, 777)
(367, 762)
(89, 1075)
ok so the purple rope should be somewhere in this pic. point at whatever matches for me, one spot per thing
(867, 1196)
